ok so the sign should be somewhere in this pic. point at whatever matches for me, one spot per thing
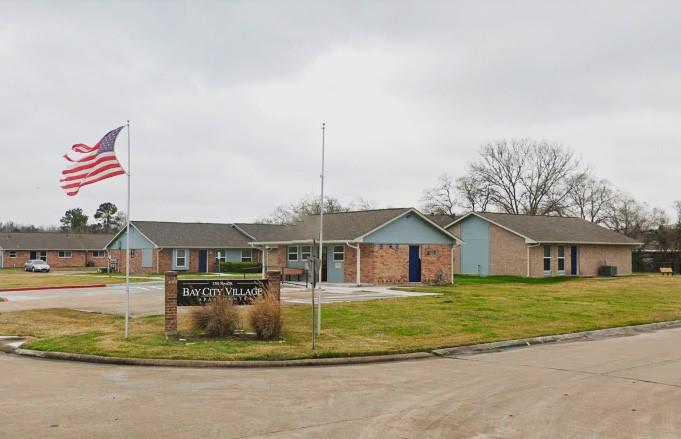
(199, 292)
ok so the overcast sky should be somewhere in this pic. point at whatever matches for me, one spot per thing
(226, 99)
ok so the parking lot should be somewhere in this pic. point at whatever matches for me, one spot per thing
(147, 298)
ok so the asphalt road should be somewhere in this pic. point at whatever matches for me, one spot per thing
(626, 387)
(147, 298)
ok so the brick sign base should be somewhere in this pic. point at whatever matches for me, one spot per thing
(274, 289)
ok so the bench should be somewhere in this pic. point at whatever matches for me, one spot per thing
(288, 271)
(666, 271)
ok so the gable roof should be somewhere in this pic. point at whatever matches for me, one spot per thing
(441, 219)
(553, 229)
(190, 235)
(341, 226)
(53, 241)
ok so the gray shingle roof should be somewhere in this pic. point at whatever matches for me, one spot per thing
(555, 229)
(341, 226)
(442, 220)
(203, 235)
(53, 241)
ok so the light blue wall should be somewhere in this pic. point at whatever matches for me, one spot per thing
(475, 250)
(299, 263)
(147, 257)
(136, 241)
(409, 229)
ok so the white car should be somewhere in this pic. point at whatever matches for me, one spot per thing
(37, 265)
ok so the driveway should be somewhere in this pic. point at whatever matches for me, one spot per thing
(626, 387)
(147, 298)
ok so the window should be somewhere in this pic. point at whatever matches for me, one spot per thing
(547, 259)
(180, 257)
(12, 253)
(293, 253)
(338, 252)
(42, 256)
(98, 253)
(561, 259)
(246, 255)
(305, 252)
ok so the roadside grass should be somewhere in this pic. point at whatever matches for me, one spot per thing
(471, 311)
(18, 278)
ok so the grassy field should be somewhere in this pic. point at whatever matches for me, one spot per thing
(16, 278)
(473, 310)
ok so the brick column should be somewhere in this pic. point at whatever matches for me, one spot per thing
(171, 303)
(275, 283)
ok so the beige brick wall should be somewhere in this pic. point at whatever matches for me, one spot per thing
(507, 253)
(591, 257)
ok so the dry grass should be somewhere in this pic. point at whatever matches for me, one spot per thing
(471, 312)
(11, 278)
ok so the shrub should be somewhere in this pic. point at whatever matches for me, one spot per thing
(217, 319)
(240, 267)
(266, 317)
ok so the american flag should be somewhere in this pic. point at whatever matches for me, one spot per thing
(98, 164)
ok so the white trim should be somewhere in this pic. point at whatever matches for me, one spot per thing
(243, 231)
(558, 258)
(288, 253)
(65, 251)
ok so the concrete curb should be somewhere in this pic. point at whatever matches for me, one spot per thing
(161, 362)
(621, 331)
(3, 290)
(15, 348)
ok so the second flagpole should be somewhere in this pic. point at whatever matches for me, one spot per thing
(127, 248)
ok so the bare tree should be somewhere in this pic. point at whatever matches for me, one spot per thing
(590, 199)
(440, 199)
(525, 176)
(308, 205)
(632, 218)
(474, 194)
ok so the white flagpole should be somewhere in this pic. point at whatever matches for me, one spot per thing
(321, 238)
(127, 249)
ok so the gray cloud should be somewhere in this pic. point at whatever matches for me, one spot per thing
(226, 99)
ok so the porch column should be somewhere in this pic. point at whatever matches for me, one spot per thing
(359, 265)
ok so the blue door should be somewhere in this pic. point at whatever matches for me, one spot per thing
(573, 260)
(203, 261)
(414, 264)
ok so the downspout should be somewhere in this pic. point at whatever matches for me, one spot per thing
(528, 256)
(263, 259)
(451, 277)
(158, 259)
(358, 263)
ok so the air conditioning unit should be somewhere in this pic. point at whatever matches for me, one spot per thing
(607, 270)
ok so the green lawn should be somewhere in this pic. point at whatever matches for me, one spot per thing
(17, 278)
(474, 310)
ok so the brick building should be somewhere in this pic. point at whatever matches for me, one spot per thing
(527, 245)
(58, 249)
(158, 246)
(395, 246)
(371, 246)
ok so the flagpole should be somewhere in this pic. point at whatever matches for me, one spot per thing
(127, 248)
(321, 238)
